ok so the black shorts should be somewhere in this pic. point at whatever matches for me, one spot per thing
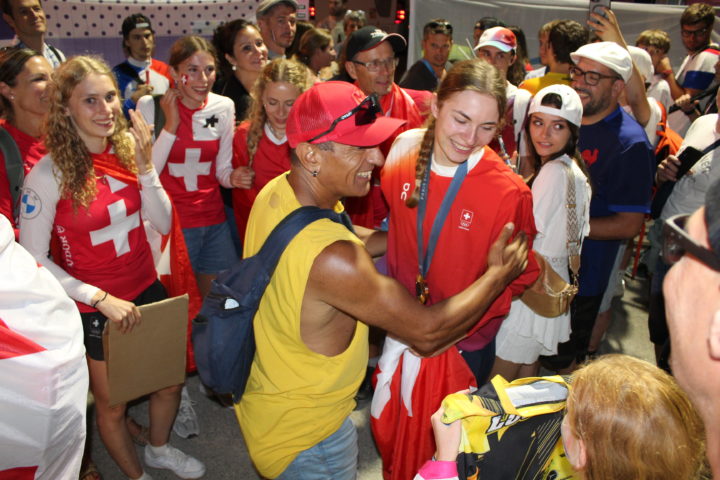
(94, 322)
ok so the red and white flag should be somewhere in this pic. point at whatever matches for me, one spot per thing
(43, 372)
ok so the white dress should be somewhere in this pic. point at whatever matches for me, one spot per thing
(525, 335)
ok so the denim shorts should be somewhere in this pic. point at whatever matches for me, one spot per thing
(335, 458)
(211, 248)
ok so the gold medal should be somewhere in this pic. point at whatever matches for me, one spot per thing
(421, 289)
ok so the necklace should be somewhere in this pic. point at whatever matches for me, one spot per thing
(274, 132)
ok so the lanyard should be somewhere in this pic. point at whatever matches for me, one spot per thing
(425, 256)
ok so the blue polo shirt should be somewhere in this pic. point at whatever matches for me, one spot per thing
(621, 164)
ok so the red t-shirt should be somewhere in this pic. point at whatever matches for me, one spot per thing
(490, 196)
(107, 238)
(270, 160)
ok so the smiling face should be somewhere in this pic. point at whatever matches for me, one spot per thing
(29, 96)
(140, 43)
(249, 51)
(93, 107)
(436, 49)
(598, 100)
(27, 19)
(380, 81)
(466, 121)
(278, 98)
(195, 77)
(549, 133)
(347, 170)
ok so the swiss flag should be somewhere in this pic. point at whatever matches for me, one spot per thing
(20, 473)
(13, 344)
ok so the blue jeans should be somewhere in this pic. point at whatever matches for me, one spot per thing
(210, 248)
(335, 458)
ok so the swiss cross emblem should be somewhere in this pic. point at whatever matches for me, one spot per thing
(466, 218)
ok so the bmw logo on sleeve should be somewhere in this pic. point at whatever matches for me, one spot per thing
(30, 204)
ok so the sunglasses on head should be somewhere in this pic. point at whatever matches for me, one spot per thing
(365, 113)
(677, 242)
(440, 26)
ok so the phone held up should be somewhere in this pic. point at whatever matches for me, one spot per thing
(595, 6)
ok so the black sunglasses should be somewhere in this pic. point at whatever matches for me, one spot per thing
(365, 113)
(677, 242)
(440, 26)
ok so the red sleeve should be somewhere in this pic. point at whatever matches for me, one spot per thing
(240, 150)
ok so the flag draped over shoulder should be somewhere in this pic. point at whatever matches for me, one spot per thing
(171, 256)
(43, 372)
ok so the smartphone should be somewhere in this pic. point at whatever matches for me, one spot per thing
(688, 157)
(594, 6)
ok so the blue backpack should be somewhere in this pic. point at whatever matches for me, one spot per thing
(223, 335)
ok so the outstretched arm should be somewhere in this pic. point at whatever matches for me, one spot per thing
(344, 277)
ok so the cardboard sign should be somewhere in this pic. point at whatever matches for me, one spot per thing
(152, 355)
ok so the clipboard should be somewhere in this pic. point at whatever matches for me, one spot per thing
(152, 355)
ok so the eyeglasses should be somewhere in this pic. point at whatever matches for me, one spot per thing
(375, 65)
(693, 33)
(365, 113)
(591, 78)
(677, 242)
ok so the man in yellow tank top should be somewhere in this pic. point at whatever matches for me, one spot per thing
(311, 327)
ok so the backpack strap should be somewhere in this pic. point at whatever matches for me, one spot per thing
(290, 226)
(13, 167)
(159, 117)
(128, 70)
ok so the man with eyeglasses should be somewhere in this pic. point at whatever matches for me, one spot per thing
(621, 165)
(371, 59)
(426, 73)
(277, 20)
(697, 71)
(311, 327)
(692, 300)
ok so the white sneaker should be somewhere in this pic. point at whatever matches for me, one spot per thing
(186, 423)
(182, 465)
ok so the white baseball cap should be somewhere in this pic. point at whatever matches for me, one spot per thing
(571, 108)
(610, 54)
(643, 62)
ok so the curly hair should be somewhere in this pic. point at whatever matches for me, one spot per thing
(279, 70)
(635, 421)
(12, 63)
(475, 75)
(71, 159)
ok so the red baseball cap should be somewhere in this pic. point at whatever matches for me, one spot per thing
(338, 112)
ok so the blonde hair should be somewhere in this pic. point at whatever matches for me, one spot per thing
(635, 421)
(278, 70)
(475, 75)
(71, 158)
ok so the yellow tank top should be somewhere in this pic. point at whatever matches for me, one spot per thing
(295, 398)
